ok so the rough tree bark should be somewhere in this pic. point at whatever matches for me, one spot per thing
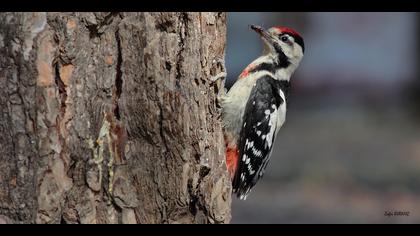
(111, 118)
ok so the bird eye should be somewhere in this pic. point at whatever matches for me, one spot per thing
(284, 38)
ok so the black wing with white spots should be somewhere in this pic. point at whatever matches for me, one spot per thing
(258, 133)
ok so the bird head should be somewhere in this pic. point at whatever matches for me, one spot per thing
(283, 42)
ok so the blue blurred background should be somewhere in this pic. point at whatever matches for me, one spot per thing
(350, 148)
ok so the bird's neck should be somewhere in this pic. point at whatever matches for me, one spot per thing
(284, 73)
(280, 69)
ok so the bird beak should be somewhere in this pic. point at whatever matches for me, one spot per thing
(264, 33)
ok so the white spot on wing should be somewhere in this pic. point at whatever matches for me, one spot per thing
(249, 144)
(256, 152)
(272, 122)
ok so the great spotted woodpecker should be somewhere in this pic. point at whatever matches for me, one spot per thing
(254, 109)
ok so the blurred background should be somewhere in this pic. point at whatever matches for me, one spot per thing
(350, 148)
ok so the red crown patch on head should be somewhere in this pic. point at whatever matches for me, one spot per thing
(293, 33)
(287, 30)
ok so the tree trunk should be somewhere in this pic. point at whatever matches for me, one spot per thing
(111, 118)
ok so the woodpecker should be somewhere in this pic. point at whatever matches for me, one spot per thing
(254, 109)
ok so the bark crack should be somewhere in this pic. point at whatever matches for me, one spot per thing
(96, 29)
(61, 89)
(108, 19)
(179, 57)
(195, 203)
(118, 77)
